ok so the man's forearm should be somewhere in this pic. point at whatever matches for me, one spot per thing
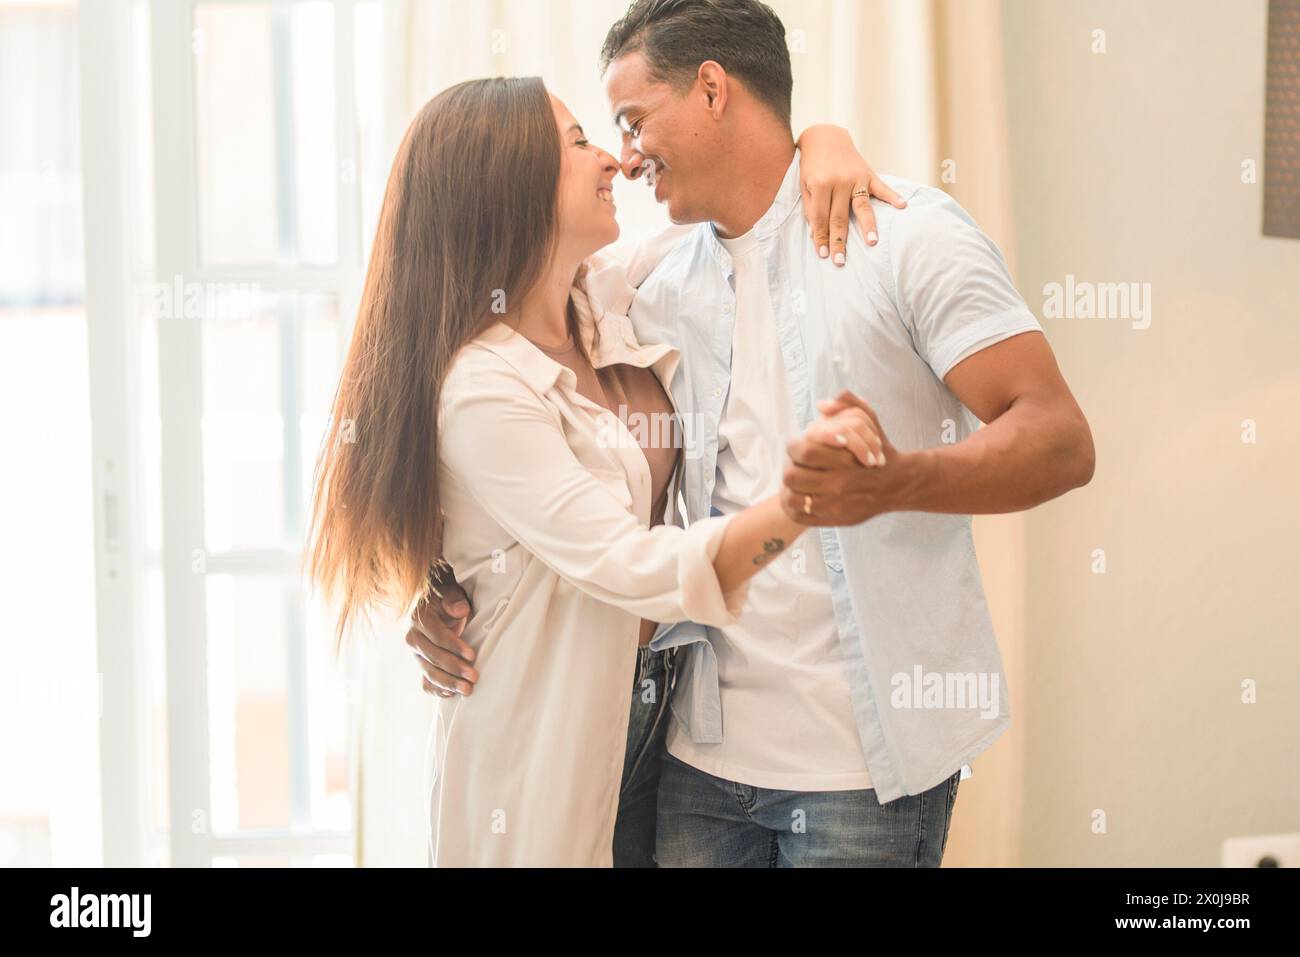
(1028, 455)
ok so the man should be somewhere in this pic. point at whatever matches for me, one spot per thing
(830, 726)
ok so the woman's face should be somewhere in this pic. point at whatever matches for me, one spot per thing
(586, 194)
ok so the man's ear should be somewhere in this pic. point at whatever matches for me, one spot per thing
(713, 81)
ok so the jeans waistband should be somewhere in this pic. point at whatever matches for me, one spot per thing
(650, 662)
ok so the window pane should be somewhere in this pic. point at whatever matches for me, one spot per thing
(255, 720)
(322, 346)
(331, 807)
(40, 162)
(248, 704)
(49, 683)
(374, 152)
(315, 164)
(234, 132)
(270, 366)
(243, 431)
(49, 687)
(264, 108)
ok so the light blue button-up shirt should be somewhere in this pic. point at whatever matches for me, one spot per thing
(923, 666)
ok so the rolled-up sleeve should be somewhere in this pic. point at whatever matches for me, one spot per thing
(505, 446)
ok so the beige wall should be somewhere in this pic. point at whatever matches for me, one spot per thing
(1127, 167)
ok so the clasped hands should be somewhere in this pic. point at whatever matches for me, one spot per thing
(843, 469)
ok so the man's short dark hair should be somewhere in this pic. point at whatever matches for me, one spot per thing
(744, 36)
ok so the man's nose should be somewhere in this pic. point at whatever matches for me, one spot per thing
(633, 162)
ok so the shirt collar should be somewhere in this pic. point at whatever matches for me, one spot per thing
(616, 342)
(788, 196)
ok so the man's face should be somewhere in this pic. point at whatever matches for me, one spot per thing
(667, 138)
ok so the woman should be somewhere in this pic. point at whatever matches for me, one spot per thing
(480, 385)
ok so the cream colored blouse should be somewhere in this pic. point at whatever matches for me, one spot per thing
(547, 498)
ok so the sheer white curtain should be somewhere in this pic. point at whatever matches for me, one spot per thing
(919, 82)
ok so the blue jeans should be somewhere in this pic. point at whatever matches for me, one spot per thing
(706, 821)
(634, 828)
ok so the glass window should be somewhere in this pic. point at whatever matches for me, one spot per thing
(48, 687)
(264, 133)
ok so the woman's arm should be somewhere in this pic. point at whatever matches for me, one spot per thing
(501, 443)
(754, 537)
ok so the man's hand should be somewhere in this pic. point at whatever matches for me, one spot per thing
(824, 485)
(435, 636)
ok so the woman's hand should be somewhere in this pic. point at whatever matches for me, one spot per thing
(831, 169)
(820, 485)
(852, 429)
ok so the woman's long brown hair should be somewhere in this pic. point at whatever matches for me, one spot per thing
(469, 215)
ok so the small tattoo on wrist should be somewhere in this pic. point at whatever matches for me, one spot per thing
(771, 548)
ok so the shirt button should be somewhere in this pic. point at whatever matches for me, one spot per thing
(717, 392)
(726, 309)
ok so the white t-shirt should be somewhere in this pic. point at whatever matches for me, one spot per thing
(786, 711)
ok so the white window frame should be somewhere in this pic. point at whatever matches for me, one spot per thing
(111, 317)
(103, 47)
